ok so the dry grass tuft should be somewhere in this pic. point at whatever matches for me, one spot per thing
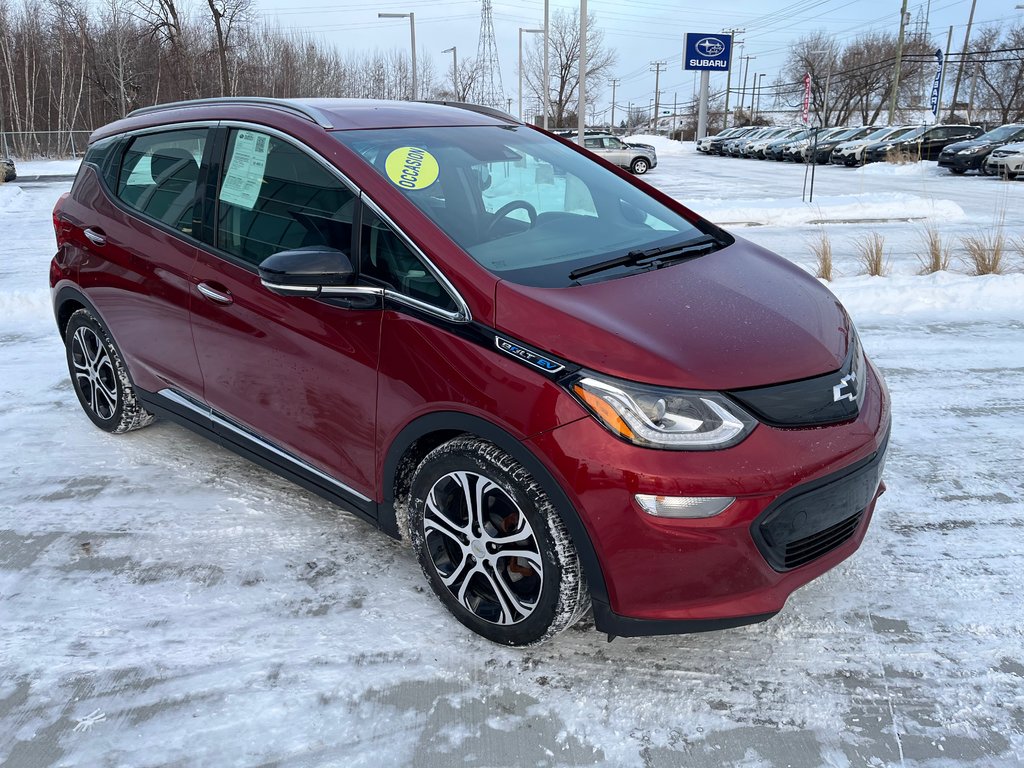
(901, 157)
(938, 254)
(871, 255)
(822, 250)
(986, 252)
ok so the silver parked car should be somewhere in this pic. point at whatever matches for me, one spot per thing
(638, 158)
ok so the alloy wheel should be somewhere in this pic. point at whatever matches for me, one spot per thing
(483, 548)
(94, 373)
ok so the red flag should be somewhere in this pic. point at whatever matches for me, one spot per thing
(807, 98)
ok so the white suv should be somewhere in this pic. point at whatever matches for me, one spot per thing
(1007, 161)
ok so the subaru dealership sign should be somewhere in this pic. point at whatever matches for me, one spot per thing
(710, 52)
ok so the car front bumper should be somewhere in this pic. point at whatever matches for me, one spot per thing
(1008, 163)
(962, 162)
(798, 492)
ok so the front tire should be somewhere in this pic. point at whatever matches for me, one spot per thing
(100, 379)
(639, 166)
(492, 546)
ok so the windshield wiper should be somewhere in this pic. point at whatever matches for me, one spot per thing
(685, 249)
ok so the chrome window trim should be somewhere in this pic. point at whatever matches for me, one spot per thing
(187, 402)
(462, 315)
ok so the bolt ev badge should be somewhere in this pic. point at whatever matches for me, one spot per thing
(528, 356)
(850, 381)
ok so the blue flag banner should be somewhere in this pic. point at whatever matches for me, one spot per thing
(937, 84)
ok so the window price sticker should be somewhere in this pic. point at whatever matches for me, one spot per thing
(248, 163)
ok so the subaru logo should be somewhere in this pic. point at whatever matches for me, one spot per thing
(710, 46)
(848, 382)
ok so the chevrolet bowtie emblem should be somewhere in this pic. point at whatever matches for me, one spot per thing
(848, 382)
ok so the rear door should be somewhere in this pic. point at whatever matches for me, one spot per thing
(300, 373)
(139, 249)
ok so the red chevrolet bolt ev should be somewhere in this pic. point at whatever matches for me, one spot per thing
(566, 390)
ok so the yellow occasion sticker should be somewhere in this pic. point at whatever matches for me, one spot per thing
(411, 168)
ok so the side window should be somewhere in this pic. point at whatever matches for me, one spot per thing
(159, 173)
(592, 143)
(273, 197)
(385, 258)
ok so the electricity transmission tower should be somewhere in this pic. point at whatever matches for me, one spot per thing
(490, 93)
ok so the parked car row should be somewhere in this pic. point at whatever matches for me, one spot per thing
(960, 148)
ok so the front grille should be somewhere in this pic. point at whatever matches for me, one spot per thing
(814, 546)
(813, 519)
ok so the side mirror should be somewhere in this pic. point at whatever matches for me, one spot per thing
(306, 271)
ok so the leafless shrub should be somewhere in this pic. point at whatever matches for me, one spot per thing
(871, 255)
(938, 253)
(821, 247)
(901, 157)
(986, 252)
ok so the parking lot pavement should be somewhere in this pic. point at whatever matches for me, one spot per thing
(164, 602)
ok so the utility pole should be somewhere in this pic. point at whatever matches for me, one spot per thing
(899, 60)
(455, 69)
(675, 111)
(545, 96)
(657, 78)
(581, 122)
(614, 83)
(963, 56)
(746, 69)
(728, 75)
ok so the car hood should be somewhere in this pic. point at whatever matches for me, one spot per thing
(738, 317)
(970, 144)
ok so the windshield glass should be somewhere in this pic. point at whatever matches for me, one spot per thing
(1002, 133)
(523, 205)
(913, 133)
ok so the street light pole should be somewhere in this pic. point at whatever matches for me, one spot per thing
(757, 89)
(521, 30)
(412, 34)
(455, 71)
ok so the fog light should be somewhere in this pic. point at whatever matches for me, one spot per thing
(683, 506)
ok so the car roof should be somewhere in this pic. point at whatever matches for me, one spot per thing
(329, 114)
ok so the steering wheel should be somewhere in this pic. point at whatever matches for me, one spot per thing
(507, 208)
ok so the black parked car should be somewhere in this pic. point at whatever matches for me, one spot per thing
(827, 143)
(924, 143)
(971, 155)
(774, 150)
(7, 170)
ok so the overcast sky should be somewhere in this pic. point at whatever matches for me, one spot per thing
(641, 31)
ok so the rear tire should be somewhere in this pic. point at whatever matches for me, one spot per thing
(958, 171)
(99, 377)
(492, 545)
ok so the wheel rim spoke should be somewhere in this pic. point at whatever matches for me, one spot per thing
(483, 548)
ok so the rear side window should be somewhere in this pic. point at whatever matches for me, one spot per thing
(159, 174)
(274, 197)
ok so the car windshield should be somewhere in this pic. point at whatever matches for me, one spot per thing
(1002, 133)
(526, 207)
(913, 133)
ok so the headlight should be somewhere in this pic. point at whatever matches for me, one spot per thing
(656, 417)
(971, 150)
(886, 147)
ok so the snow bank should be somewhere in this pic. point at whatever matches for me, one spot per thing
(904, 169)
(33, 168)
(943, 295)
(788, 212)
(25, 304)
(664, 146)
(9, 194)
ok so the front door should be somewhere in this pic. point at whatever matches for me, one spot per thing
(299, 372)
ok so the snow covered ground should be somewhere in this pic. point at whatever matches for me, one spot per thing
(164, 603)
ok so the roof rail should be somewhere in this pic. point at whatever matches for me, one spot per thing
(479, 108)
(310, 113)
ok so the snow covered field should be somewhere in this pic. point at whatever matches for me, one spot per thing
(164, 603)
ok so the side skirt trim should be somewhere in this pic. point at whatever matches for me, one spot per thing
(210, 424)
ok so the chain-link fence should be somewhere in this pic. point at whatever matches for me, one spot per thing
(26, 145)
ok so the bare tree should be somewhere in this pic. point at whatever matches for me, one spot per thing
(564, 47)
(227, 16)
(999, 65)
